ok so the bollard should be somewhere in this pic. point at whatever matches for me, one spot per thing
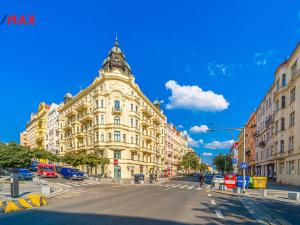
(262, 193)
(293, 195)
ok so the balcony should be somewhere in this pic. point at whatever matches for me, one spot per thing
(79, 135)
(70, 113)
(86, 118)
(145, 123)
(81, 107)
(67, 127)
(156, 120)
(116, 111)
(148, 138)
(146, 111)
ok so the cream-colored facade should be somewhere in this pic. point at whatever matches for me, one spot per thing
(52, 129)
(36, 128)
(114, 119)
(287, 120)
(264, 149)
(176, 146)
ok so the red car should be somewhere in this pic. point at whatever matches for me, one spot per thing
(46, 170)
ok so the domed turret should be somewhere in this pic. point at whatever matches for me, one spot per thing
(156, 103)
(116, 59)
(68, 96)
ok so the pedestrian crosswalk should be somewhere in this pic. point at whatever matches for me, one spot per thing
(180, 186)
(70, 184)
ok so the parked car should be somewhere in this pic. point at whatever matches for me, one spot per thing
(4, 174)
(72, 173)
(46, 170)
(218, 178)
(58, 169)
(24, 174)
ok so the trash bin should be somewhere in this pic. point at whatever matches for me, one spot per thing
(14, 185)
(240, 181)
(259, 182)
(139, 178)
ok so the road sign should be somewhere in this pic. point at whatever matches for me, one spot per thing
(244, 165)
(234, 161)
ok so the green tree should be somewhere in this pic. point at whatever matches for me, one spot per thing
(73, 159)
(190, 161)
(13, 155)
(202, 167)
(219, 162)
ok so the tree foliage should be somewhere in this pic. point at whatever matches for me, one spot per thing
(190, 161)
(219, 162)
(13, 155)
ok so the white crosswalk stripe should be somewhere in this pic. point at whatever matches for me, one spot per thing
(75, 184)
(180, 186)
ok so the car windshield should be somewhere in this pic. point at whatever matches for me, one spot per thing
(218, 176)
(75, 170)
(47, 169)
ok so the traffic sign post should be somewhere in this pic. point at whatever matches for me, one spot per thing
(244, 165)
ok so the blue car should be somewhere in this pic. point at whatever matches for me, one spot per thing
(72, 173)
(25, 174)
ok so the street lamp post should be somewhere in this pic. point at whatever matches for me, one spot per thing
(243, 129)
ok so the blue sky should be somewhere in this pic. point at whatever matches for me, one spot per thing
(215, 58)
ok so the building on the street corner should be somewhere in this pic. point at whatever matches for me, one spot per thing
(113, 118)
(264, 146)
(36, 128)
(52, 129)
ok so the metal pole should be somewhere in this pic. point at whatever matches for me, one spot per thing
(244, 156)
(225, 163)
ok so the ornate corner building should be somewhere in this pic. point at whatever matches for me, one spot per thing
(114, 119)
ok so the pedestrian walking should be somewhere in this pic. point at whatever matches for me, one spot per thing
(201, 179)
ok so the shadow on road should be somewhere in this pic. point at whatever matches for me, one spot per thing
(42, 217)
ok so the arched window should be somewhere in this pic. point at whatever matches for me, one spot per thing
(117, 105)
(117, 120)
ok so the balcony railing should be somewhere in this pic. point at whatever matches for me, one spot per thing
(117, 110)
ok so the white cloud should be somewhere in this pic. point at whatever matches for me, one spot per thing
(193, 97)
(180, 126)
(199, 129)
(217, 68)
(195, 143)
(207, 154)
(219, 144)
(262, 58)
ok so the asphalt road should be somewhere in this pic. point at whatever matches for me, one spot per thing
(174, 202)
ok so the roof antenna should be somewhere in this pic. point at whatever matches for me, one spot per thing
(116, 40)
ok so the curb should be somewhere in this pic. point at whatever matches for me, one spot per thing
(14, 205)
(60, 191)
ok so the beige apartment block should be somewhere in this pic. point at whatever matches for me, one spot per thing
(176, 146)
(264, 149)
(36, 128)
(287, 120)
(114, 119)
(23, 138)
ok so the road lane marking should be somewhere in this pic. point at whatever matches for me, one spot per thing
(209, 195)
(184, 186)
(199, 189)
(190, 187)
(167, 189)
(219, 214)
(213, 202)
(64, 185)
(73, 184)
